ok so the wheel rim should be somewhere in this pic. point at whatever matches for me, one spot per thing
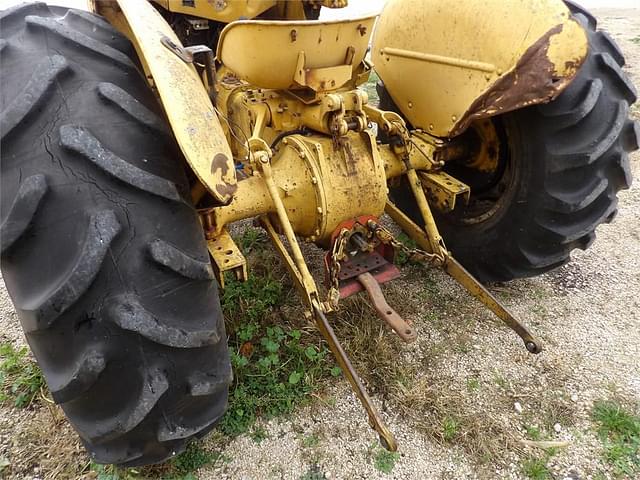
(489, 170)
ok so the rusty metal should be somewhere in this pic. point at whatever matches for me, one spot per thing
(360, 263)
(447, 73)
(443, 190)
(534, 79)
(385, 312)
(375, 419)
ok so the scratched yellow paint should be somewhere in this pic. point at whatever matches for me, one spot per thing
(185, 101)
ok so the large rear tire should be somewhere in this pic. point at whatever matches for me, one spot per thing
(561, 166)
(102, 253)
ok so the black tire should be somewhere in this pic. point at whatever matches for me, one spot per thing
(566, 160)
(103, 256)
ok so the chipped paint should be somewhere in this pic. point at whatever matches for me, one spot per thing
(535, 79)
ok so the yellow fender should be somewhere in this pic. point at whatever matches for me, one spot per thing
(447, 64)
(185, 100)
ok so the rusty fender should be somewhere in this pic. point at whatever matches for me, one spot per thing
(474, 58)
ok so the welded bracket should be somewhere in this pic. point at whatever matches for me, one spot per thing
(443, 190)
(226, 257)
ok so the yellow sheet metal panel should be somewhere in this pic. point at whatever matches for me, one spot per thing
(268, 53)
(185, 101)
(447, 64)
(225, 11)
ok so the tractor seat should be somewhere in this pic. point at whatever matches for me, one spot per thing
(284, 55)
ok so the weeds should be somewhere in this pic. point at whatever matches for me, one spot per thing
(20, 378)
(370, 88)
(536, 468)
(314, 473)
(473, 384)
(384, 460)
(401, 257)
(449, 429)
(258, 434)
(619, 432)
(182, 467)
(252, 239)
(192, 459)
(253, 298)
(274, 372)
(533, 433)
(310, 441)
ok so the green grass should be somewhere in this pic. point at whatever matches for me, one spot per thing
(636, 40)
(20, 378)
(370, 88)
(473, 384)
(252, 239)
(383, 460)
(182, 467)
(401, 257)
(619, 432)
(314, 473)
(274, 371)
(252, 299)
(500, 380)
(534, 433)
(310, 441)
(450, 428)
(258, 434)
(536, 468)
(192, 459)
(276, 364)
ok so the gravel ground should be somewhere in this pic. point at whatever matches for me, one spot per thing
(587, 313)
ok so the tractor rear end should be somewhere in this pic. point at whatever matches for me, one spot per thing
(270, 117)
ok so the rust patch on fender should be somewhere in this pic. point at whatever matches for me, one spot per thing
(220, 170)
(532, 81)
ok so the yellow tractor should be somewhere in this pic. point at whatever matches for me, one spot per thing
(135, 134)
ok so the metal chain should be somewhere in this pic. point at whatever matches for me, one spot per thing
(415, 255)
(337, 254)
(385, 237)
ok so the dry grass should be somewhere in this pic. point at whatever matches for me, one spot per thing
(414, 380)
(45, 444)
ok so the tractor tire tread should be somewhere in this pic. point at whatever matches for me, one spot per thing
(102, 254)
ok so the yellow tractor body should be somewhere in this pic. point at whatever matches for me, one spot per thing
(298, 128)
(446, 64)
